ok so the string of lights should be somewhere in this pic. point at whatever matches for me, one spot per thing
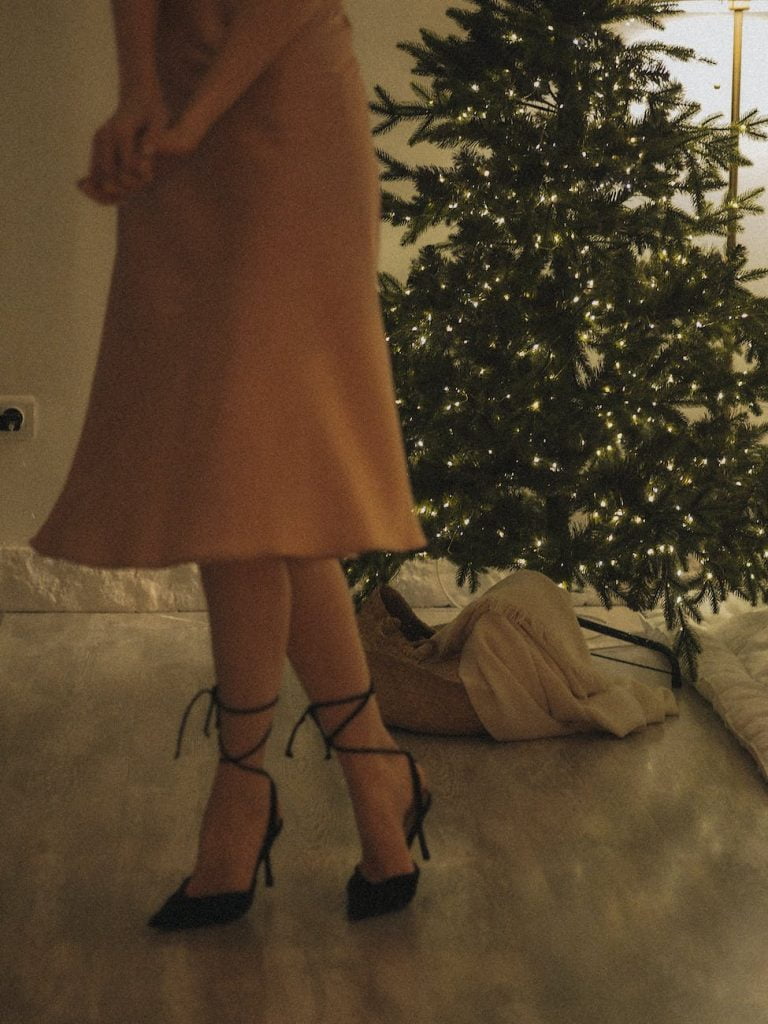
(580, 375)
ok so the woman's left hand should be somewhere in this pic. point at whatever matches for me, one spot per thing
(118, 164)
(161, 140)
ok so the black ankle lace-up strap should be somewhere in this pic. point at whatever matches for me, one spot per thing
(217, 705)
(413, 823)
(328, 740)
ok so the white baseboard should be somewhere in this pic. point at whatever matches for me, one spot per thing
(32, 583)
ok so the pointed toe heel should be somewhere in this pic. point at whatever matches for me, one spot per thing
(181, 911)
(371, 899)
(364, 898)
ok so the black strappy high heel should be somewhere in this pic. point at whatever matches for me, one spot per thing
(182, 911)
(364, 898)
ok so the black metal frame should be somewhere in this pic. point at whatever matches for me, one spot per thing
(638, 641)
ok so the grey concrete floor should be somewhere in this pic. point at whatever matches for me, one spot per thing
(586, 879)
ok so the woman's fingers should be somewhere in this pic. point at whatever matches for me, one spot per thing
(105, 193)
(133, 169)
(117, 169)
(101, 183)
(148, 145)
(100, 193)
(115, 163)
(103, 156)
(122, 158)
(111, 190)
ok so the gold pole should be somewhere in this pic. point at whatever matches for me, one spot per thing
(738, 7)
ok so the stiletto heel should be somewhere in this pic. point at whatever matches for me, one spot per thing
(182, 911)
(364, 898)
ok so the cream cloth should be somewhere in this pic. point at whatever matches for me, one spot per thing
(528, 671)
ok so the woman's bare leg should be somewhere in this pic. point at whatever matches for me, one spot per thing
(325, 651)
(249, 611)
(257, 609)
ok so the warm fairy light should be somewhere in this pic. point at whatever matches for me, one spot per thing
(623, 403)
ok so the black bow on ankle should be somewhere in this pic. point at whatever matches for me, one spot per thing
(217, 706)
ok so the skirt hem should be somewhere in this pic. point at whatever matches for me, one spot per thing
(176, 560)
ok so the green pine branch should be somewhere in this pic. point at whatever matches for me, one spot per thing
(566, 360)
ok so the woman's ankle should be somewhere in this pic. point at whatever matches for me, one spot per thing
(233, 827)
(365, 729)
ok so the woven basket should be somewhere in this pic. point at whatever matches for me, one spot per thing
(425, 697)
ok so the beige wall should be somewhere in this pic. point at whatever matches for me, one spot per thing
(56, 248)
(55, 252)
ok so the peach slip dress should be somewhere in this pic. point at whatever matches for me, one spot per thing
(243, 402)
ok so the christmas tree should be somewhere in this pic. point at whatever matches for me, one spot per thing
(580, 367)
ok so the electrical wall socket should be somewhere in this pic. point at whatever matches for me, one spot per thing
(11, 429)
